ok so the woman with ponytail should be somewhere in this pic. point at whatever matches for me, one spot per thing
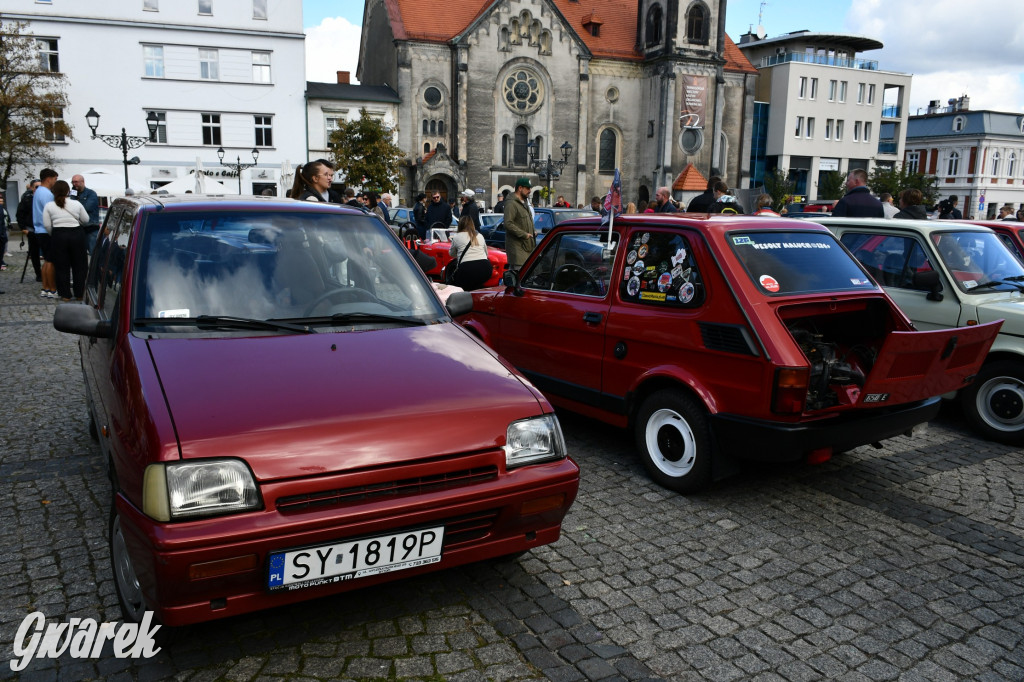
(313, 183)
(63, 218)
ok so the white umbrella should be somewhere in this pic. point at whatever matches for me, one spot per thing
(284, 183)
(200, 177)
(103, 182)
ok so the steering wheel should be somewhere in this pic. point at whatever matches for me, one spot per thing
(582, 281)
(345, 294)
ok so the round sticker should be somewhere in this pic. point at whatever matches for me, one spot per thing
(686, 292)
(769, 283)
(638, 267)
(633, 287)
(631, 257)
(642, 251)
(664, 282)
(646, 237)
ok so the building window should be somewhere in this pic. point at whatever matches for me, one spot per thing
(650, 129)
(206, 6)
(426, 126)
(259, 9)
(208, 65)
(856, 131)
(504, 150)
(48, 58)
(433, 127)
(913, 161)
(828, 129)
(523, 91)
(211, 129)
(799, 125)
(697, 23)
(151, 5)
(802, 90)
(52, 125)
(867, 131)
(264, 131)
(607, 151)
(810, 127)
(432, 96)
(1011, 164)
(160, 134)
(440, 127)
(839, 130)
(153, 58)
(842, 91)
(860, 93)
(260, 67)
(832, 85)
(995, 164)
(958, 123)
(519, 156)
(953, 167)
(814, 88)
(654, 21)
(871, 94)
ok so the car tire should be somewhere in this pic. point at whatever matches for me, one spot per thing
(994, 402)
(674, 441)
(126, 581)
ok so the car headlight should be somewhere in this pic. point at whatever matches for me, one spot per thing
(205, 488)
(534, 440)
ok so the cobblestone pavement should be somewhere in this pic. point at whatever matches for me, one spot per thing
(905, 562)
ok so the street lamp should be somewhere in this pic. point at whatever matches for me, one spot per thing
(548, 168)
(124, 141)
(238, 166)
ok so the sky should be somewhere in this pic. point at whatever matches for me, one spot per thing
(951, 49)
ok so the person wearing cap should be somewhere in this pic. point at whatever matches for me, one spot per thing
(520, 238)
(469, 208)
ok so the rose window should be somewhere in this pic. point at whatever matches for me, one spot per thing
(523, 91)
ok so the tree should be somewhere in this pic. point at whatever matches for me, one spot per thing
(365, 152)
(778, 185)
(895, 180)
(32, 102)
(832, 185)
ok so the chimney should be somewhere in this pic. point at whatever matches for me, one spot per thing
(343, 77)
(964, 103)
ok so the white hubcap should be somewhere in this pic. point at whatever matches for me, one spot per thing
(671, 443)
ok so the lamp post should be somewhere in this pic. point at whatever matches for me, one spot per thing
(124, 141)
(547, 168)
(238, 166)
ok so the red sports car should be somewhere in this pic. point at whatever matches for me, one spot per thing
(437, 246)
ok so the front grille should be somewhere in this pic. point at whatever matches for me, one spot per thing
(404, 487)
(469, 527)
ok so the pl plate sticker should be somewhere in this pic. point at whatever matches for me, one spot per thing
(642, 251)
(679, 257)
(857, 282)
(631, 257)
(970, 283)
(633, 288)
(686, 292)
(638, 267)
(741, 240)
(664, 282)
(646, 238)
(177, 312)
(627, 273)
(769, 283)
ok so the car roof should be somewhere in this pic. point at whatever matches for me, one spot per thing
(710, 224)
(221, 202)
(923, 226)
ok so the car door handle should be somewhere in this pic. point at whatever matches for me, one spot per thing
(592, 317)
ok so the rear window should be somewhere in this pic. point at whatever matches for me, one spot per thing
(797, 262)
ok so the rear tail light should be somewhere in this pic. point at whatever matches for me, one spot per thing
(790, 390)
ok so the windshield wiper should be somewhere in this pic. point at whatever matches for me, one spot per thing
(342, 318)
(225, 322)
(1008, 281)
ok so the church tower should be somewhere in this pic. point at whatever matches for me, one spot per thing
(679, 28)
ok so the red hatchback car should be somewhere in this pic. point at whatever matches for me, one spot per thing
(261, 376)
(721, 338)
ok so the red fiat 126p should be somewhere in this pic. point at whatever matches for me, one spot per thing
(262, 378)
(721, 338)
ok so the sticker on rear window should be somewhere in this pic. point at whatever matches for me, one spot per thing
(769, 283)
(178, 312)
(741, 240)
(686, 292)
(642, 251)
(638, 267)
(680, 257)
(858, 282)
(652, 296)
(631, 257)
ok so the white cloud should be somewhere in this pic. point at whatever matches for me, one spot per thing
(332, 46)
(951, 49)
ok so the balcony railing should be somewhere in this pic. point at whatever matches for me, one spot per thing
(819, 59)
(888, 147)
(891, 111)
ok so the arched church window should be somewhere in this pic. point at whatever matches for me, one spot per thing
(503, 39)
(504, 150)
(607, 148)
(440, 127)
(426, 126)
(426, 147)
(433, 127)
(654, 21)
(519, 157)
(697, 20)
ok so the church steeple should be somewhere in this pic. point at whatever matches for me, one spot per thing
(666, 27)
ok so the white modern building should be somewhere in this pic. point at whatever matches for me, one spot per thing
(217, 74)
(823, 108)
(976, 155)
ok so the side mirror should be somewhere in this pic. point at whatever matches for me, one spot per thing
(84, 320)
(459, 303)
(928, 281)
(510, 279)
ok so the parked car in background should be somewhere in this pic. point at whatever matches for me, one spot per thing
(1010, 232)
(720, 339)
(438, 245)
(255, 372)
(401, 216)
(947, 274)
(490, 219)
(544, 220)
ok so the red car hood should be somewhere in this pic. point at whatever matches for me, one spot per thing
(310, 404)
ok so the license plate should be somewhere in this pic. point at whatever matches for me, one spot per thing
(297, 568)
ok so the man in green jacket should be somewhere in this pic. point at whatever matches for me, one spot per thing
(520, 238)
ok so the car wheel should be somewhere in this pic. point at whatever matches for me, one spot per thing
(674, 440)
(126, 582)
(994, 403)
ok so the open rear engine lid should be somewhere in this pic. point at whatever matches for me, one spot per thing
(917, 365)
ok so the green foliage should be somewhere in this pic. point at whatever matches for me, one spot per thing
(32, 102)
(778, 185)
(831, 185)
(365, 148)
(896, 180)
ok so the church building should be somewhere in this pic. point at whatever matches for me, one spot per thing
(651, 87)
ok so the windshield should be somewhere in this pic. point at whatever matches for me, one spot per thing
(562, 216)
(978, 261)
(798, 262)
(228, 269)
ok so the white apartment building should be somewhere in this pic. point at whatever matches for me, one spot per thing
(826, 108)
(217, 74)
(976, 155)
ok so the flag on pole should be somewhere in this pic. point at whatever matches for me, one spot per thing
(613, 200)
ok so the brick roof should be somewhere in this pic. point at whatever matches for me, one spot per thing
(690, 180)
(418, 20)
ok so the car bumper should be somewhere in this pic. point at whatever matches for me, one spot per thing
(767, 441)
(481, 521)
